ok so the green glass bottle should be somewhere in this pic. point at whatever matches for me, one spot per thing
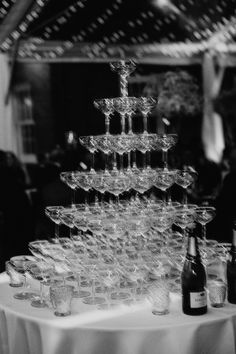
(193, 280)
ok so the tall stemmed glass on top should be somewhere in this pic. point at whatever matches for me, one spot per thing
(124, 69)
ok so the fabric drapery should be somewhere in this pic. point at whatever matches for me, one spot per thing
(7, 125)
(212, 125)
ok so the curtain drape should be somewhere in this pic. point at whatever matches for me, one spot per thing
(212, 126)
(7, 126)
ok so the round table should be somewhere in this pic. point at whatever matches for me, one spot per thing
(123, 330)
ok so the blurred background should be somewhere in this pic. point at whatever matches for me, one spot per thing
(54, 63)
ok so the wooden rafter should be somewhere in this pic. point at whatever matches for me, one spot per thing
(14, 17)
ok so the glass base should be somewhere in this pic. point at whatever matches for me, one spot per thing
(62, 314)
(120, 296)
(16, 285)
(218, 305)
(107, 306)
(39, 303)
(93, 300)
(80, 294)
(86, 284)
(23, 296)
(101, 289)
(158, 312)
(126, 285)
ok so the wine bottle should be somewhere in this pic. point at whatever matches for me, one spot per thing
(193, 280)
(231, 270)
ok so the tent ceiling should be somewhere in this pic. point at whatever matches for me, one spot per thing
(98, 30)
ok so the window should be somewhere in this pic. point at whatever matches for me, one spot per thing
(23, 112)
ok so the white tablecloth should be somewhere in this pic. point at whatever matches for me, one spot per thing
(127, 330)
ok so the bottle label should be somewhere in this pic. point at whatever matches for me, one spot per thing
(198, 299)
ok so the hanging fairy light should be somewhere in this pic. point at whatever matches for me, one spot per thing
(80, 37)
(200, 31)
(23, 26)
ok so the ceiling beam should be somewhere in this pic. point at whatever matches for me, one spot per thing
(13, 18)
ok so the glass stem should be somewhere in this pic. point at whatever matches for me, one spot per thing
(92, 161)
(93, 289)
(130, 128)
(57, 230)
(144, 160)
(129, 160)
(164, 159)
(41, 292)
(109, 296)
(168, 196)
(121, 162)
(114, 161)
(134, 164)
(107, 123)
(185, 197)
(106, 162)
(24, 286)
(122, 124)
(123, 86)
(204, 234)
(145, 130)
(73, 201)
(78, 280)
(148, 158)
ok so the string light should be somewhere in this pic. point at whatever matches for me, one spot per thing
(23, 26)
(203, 32)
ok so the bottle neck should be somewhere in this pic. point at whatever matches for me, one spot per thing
(192, 249)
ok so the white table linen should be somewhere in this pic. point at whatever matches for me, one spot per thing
(127, 330)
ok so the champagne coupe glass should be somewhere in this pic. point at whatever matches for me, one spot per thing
(140, 181)
(124, 69)
(88, 143)
(102, 143)
(145, 105)
(143, 144)
(130, 110)
(125, 106)
(69, 179)
(67, 218)
(136, 274)
(91, 268)
(83, 179)
(43, 272)
(37, 248)
(110, 277)
(164, 180)
(166, 142)
(74, 263)
(53, 212)
(124, 145)
(204, 215)
(184, 218)
(117, 183)
(99, 183)
(106, 106)
(19, 264)
(185, 178)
